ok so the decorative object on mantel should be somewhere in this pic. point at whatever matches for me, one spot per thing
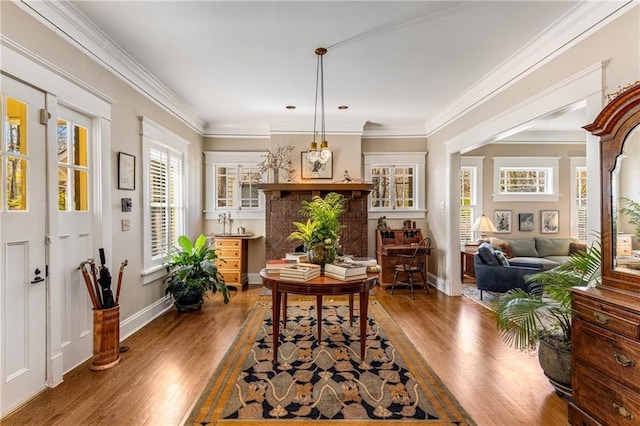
(324, 154)
(277, 161)
(320, 232)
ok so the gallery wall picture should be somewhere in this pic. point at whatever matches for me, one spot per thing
(315, 170)
(525, 222)
(549, 221)
(502, 221)
(126, 171)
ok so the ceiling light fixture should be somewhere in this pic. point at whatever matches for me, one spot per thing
(323, 154)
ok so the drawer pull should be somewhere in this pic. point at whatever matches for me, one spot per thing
(602, 319)
(623, 411)
(623, 360)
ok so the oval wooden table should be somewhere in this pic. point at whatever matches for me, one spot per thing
(321, 286)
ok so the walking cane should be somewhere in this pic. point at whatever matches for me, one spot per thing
(122, 265)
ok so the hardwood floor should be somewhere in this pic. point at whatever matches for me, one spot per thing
(170, 360)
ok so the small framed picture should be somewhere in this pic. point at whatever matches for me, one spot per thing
(315, 170)
(525, 222)
(126, 171)
(549, 221)
(502, 221)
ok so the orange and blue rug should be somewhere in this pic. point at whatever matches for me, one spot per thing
(329, 382)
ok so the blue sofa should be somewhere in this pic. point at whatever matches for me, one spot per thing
(494, 272)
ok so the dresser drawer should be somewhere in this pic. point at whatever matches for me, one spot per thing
(230, 277)
(607, 353)
(230, 264)
(613, 404)
(227, 243)
(228, 253)
(608, 317)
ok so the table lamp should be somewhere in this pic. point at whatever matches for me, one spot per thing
(483, 225)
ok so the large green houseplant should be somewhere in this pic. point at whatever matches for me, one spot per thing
(192, 273)
(320, 233)
(541, 318)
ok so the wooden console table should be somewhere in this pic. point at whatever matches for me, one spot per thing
(321, 286)
(466, 260)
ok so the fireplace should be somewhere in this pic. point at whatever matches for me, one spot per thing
(283, 203)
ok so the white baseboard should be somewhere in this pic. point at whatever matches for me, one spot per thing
(143, 317)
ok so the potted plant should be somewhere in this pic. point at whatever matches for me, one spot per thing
(320, 233)
(193, 272)
(542, 317)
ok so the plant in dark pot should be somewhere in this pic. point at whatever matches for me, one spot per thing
(192, 273)
(542, 317)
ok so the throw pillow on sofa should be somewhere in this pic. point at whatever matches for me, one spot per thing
(502, 259)
(487, 254)
(505, 248)
(575, 247)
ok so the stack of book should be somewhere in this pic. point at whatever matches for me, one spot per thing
(275, 265)
(298, 257)
(369, 262)
(300, 272)
(345, 271)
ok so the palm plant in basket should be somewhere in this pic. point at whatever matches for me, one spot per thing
(192, 273)
(542, 317)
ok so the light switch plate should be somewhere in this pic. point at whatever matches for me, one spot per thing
(126, 224)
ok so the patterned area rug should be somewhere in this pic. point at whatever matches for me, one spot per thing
(472, 292)
(325, 382)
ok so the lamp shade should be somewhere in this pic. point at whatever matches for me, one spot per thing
(483, 225)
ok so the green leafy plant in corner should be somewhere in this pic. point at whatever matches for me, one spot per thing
(193, 267)
(545, 312)
(631, 209)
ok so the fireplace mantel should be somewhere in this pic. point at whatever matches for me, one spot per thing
(283, 204)
(356, 190)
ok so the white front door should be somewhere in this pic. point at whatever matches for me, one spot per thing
(23, 277)
(75, 232)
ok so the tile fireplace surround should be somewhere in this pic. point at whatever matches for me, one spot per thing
(283, 203)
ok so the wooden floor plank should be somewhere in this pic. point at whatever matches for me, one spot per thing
(170, 360)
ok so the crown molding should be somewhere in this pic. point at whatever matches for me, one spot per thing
(67, 22)
(584, 19)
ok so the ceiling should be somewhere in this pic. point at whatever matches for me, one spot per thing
(402, 67)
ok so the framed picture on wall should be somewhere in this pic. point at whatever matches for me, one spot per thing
(549, 221)
(126, 171)
(502, 221)
(525, 222)
(316, 170)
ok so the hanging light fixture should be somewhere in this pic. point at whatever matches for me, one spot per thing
(324, 153)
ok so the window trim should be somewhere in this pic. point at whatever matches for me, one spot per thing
(212, 159)
(575, 164)
(405, 159)
(551, 163)
(476, 163)
(157, 137)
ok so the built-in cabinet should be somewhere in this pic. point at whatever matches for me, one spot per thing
(606, 326)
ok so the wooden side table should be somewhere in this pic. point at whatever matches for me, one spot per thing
(466, 260)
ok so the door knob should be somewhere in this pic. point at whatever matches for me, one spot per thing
(38, 278)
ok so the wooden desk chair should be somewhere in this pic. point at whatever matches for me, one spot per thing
(413, 264)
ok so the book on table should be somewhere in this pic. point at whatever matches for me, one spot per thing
(298, 257)
(274, 265)
(345, 278)
(300, 272)
(345, 269)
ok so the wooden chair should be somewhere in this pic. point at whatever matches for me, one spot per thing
(412, 265)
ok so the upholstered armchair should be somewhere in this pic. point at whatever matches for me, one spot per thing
(495, 273)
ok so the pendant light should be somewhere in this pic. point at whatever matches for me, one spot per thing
(323, 154)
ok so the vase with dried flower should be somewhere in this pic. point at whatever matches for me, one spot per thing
(277, 161)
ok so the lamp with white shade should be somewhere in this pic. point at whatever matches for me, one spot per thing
(483, 225)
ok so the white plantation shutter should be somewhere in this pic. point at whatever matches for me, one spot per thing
(164, 193)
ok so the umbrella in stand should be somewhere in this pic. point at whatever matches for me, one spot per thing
(105, 283)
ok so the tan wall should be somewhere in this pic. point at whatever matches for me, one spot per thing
(125, 136)
(618, 42)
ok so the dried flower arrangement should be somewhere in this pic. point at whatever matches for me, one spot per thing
(278, 160)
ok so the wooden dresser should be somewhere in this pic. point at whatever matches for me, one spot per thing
(605, 373)
(232, 260)
(390, 243)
